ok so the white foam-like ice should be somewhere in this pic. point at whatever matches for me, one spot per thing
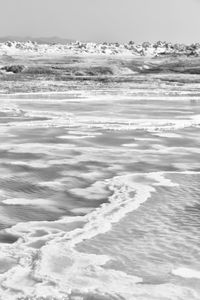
(167, 134)
(186, 273)
(75, 137)
(128, 195)
(60, 265)
(29, 117)
(106, 123)
(25, 201)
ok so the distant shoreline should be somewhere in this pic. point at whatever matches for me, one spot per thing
(145, 49)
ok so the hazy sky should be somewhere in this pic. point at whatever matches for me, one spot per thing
(98, 20)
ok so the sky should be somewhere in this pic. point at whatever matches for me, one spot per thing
(103, 20)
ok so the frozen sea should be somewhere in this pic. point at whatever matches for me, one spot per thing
(99, 184)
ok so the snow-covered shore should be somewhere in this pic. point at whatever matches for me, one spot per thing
(83, 48)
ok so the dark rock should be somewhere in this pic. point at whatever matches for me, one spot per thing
(14, 68)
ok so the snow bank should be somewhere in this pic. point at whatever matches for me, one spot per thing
(84, 48)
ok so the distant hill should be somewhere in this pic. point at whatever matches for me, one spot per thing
(39, 40)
